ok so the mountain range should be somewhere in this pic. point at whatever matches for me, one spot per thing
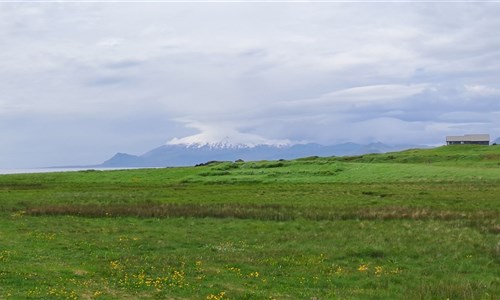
(172, 155)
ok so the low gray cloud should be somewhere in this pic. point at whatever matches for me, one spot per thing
(123, 77)
(122, 64)
(108, 80)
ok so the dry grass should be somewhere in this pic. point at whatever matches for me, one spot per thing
(276, 212)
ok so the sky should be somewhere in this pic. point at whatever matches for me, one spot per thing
(81, 81)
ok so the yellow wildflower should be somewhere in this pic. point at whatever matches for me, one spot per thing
(219, 296)
(339, 270)
(363, 268)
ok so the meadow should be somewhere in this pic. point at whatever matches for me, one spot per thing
(417, 224)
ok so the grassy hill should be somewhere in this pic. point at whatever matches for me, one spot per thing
(416, 224)
(455, 155)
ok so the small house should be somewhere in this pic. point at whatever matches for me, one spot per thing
(475, 139)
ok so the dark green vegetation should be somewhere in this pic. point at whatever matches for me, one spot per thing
(418, 224)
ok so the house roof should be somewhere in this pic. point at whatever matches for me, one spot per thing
(469, 138)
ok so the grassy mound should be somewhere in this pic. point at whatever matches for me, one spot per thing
(455, 155)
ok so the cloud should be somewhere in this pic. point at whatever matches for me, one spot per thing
(108, 80)
(481, 90)
(221, 134)
(356, 97)
(124, 63)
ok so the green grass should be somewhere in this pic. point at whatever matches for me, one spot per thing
(417, 224)
(455, 155)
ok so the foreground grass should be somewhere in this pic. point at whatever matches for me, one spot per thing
(371, 227)
(192, 258)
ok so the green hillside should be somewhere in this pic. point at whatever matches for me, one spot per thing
(417, 224)
(455, 155)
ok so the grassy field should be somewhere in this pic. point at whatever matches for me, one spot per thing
(417, 224)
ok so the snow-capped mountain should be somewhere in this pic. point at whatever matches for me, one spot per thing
(227, 139)
(217, 142)
(189, 154)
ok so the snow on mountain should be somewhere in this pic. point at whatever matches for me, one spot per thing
(227, 138)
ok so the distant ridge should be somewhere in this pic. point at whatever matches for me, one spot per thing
(173, 155)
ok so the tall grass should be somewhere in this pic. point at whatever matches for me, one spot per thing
(275, 212)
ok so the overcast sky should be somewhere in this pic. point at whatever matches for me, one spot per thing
(82, 81)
